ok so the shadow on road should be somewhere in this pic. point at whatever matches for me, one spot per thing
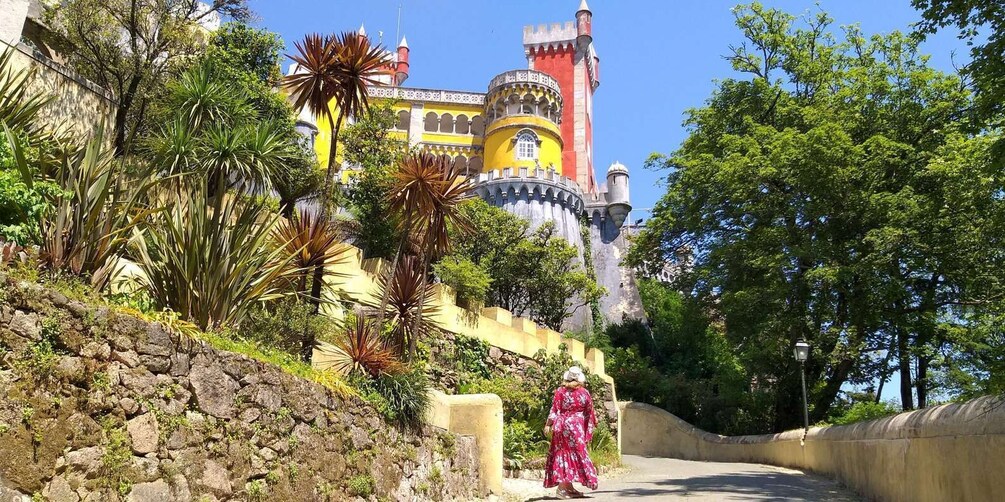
(740, 485)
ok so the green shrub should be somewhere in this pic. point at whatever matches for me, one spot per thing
(603, 448)
(362, 485)
(521, 441)
(863, 411)
(402, 398)
(520, 397)
(469, 281)
(470, 357)
(283, 324)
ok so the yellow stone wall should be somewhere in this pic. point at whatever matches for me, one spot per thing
(356, 278)
(500, 147)
(478, 415)
(950, 452)
(78, 104)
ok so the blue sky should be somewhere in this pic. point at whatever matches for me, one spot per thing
(658, 57)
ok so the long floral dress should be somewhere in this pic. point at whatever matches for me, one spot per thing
(572, 422)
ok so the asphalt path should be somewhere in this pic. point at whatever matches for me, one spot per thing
(671, 479)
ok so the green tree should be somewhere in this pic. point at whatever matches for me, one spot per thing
(245, 61)
(532, 273)
(832, 195)
(370, 149)
(680, 361)
(981, 23)
(132, 48)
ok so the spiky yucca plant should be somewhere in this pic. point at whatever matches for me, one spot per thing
(211, 265)
(359, 350)
(334, 71)
(313, 241)
(404, 292)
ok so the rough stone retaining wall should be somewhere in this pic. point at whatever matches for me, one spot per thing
(950, 452)
(124, 409)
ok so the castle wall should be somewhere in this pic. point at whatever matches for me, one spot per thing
(608, 246)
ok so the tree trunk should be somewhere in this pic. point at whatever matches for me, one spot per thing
(884, 373)
(417, 322)
(388, 283)
(307, 349)
(122, 115)
(904, 361)
(921, 383)
(825, 399)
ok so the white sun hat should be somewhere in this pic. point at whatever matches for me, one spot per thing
(574, 374)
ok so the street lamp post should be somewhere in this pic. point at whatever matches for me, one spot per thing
(802, 353)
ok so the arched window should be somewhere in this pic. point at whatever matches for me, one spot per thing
(461, 125)
(527, 105)
(431, 123)
(460, 164)
(446, 123)
(478, 125)
(404, 117)
(475, 165)
(526, 146)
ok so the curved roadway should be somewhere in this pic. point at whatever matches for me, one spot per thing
(671, 479)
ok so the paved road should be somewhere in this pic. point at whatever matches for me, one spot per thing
(670, 479)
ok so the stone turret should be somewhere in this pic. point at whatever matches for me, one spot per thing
(584, 26)
(401, 65)
(618, 202)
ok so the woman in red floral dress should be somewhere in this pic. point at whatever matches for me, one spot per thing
(570, 425)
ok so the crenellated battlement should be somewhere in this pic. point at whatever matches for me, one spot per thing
(356, 278)
(523, 173)
(508, 185)
(544, 34)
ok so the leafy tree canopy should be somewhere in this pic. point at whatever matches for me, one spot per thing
(133, 48)
(981, 23)
(532, 273)
(832, 193)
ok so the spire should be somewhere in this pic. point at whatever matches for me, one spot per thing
(404, 43)
(362, 29)
(583, 6)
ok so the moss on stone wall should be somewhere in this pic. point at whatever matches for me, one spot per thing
(101, 404)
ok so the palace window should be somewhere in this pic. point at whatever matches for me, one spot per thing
(526, 146)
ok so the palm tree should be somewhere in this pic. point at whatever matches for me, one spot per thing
(452, 188)
(334, 71)
(426, 196)
(315, 242)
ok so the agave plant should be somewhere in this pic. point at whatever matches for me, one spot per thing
(359, 350)
(211, 265)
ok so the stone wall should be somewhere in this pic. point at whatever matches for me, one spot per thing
(608, 246)
(101, 405)
(355, 278)
(950, 452)
(78, 105)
